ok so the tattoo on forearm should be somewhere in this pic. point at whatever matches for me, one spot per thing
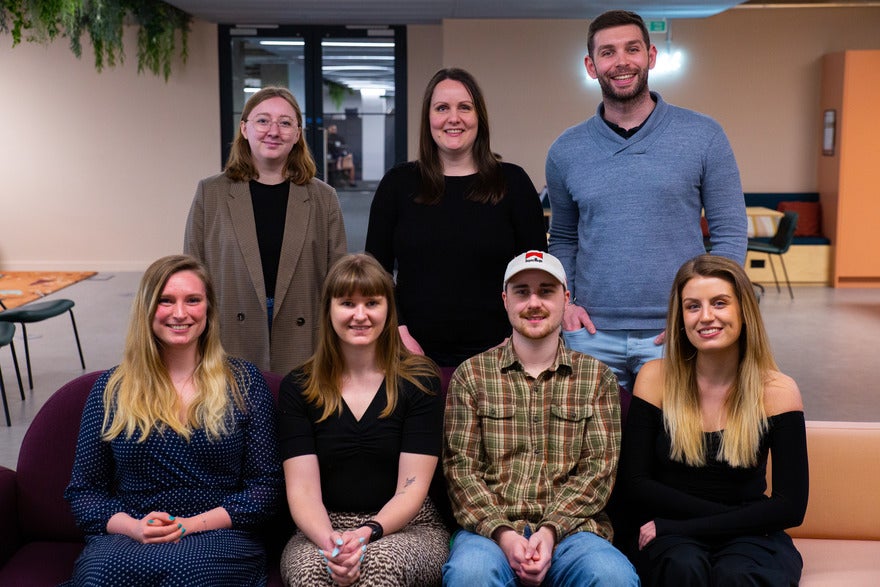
(409, 481)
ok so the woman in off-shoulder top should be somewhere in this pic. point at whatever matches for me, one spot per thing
(703, 422)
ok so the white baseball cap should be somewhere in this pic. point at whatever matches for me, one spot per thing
(535, 260)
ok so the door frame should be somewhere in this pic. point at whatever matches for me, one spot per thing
(312, 102)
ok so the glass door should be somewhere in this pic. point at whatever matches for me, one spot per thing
(345, 80)
(358, 105)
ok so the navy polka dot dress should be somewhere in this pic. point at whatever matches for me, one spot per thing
(240, 472)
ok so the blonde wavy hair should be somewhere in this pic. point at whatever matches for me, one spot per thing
(300, 167)
(746, 418)
(360, 274)
(140, 398)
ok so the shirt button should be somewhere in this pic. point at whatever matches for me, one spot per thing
(300, 321)
(535, 419)
(240, 317)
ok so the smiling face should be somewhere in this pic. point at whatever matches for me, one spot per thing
(181, 314)
(711, 313)
(453, 119)
(271, 130)
(358, 320)
(620, 62)
(534, 301)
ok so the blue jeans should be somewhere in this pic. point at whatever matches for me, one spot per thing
(579, 560)
(625, 351)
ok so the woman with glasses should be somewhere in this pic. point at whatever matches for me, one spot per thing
(268, 231)
(450, 222)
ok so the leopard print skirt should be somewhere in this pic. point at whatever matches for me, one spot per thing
(412, 556)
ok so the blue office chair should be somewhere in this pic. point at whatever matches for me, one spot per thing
(778, 245)
(38, 312)
(7, 331)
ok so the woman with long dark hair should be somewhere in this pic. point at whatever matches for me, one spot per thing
(449, 222)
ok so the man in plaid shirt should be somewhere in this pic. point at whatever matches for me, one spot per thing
(531, 447)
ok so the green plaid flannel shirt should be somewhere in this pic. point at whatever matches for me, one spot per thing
(522, 450)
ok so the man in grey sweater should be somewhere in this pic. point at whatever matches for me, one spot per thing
(627, 188)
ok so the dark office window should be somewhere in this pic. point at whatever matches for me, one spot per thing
(342, 77)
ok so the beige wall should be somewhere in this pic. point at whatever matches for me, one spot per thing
(99, 169)
(424, 57)
(755, 71)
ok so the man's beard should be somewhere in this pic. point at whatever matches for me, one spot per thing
(610, 93)
(545, 330)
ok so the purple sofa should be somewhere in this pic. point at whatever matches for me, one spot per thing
(39, 540)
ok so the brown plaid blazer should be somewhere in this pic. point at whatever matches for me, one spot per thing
(221, 231)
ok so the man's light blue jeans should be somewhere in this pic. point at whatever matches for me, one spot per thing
(580, 560)
(625, 351)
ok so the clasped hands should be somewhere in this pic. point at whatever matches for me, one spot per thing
(154, 528)
(343, 553)
(528, 557)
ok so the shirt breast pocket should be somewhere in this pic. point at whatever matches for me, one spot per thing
(568, 424)
(500, 434)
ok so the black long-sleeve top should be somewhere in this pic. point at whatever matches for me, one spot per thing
(451, 256)
(713, 500)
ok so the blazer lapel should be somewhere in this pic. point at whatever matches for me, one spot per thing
(296, 225)
(241, 211)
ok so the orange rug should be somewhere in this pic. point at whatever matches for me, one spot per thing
(20, 287)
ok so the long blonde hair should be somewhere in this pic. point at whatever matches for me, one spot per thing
(744, 406)
(360, 274)
(300, 167)
(140, 398)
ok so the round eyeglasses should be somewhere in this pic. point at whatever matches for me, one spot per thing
(264, 124)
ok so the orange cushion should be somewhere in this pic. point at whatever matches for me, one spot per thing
(809, 217)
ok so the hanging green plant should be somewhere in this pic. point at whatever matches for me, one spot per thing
(337, 92)
(42, 21)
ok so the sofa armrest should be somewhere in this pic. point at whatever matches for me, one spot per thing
(10, 537)
(844, 478)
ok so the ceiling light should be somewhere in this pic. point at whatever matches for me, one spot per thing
(283, 43)
(357, 68)
(354, 44)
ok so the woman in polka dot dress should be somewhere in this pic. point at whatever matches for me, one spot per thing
(360, 431)
(176, 464)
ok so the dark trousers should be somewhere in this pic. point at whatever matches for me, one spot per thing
(767, 561)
